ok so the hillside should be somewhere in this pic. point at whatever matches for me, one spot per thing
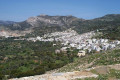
(109, 57)
(106, 65)
(43, 24)
(99, 66)
(105, 22)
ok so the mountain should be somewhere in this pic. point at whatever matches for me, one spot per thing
(42, 24)
(44, 20)
(109, 17)
(6, 22)
(105, 22)
(51, 20)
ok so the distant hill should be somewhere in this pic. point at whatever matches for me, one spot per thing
(43, 20)
(46, 24)
(6, 22)
(105, 22)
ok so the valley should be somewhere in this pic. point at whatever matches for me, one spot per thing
(59, 40)
(60, 47)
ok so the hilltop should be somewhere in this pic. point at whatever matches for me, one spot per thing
(42, 24)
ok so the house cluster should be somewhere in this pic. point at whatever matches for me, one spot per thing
(95, 44)
(65, 36)
(71, 38)
(91, 45)
(56, 36)
(38, 38)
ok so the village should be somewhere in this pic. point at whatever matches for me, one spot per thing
(83, 42)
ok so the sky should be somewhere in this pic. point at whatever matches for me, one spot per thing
(20, 10)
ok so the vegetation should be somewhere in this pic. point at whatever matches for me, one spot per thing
(26, 58)
(112, 75)
(106, 22)
(110, 33)
(91, 60)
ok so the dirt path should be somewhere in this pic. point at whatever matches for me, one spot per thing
(60, 76)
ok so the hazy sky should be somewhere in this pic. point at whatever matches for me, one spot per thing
(19, 10)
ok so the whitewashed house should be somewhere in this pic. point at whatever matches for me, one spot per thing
(106, 40)
(79, 47)
(66, 43)
(106, 47)
(54, 44)
(64, 49)
(94, 40)
(57, 51)
(112, 46)
(72, 45)
(101, 40)
(81, 53)
(39, 38)
(98, 49)
(89, 50)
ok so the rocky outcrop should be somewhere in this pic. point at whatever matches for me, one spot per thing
(51, 20)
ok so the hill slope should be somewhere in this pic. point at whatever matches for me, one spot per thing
(42, 23)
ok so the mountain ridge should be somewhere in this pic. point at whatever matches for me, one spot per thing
(58, 23)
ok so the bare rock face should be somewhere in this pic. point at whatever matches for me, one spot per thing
(50, 20)
(15, 33)
(32, 20)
